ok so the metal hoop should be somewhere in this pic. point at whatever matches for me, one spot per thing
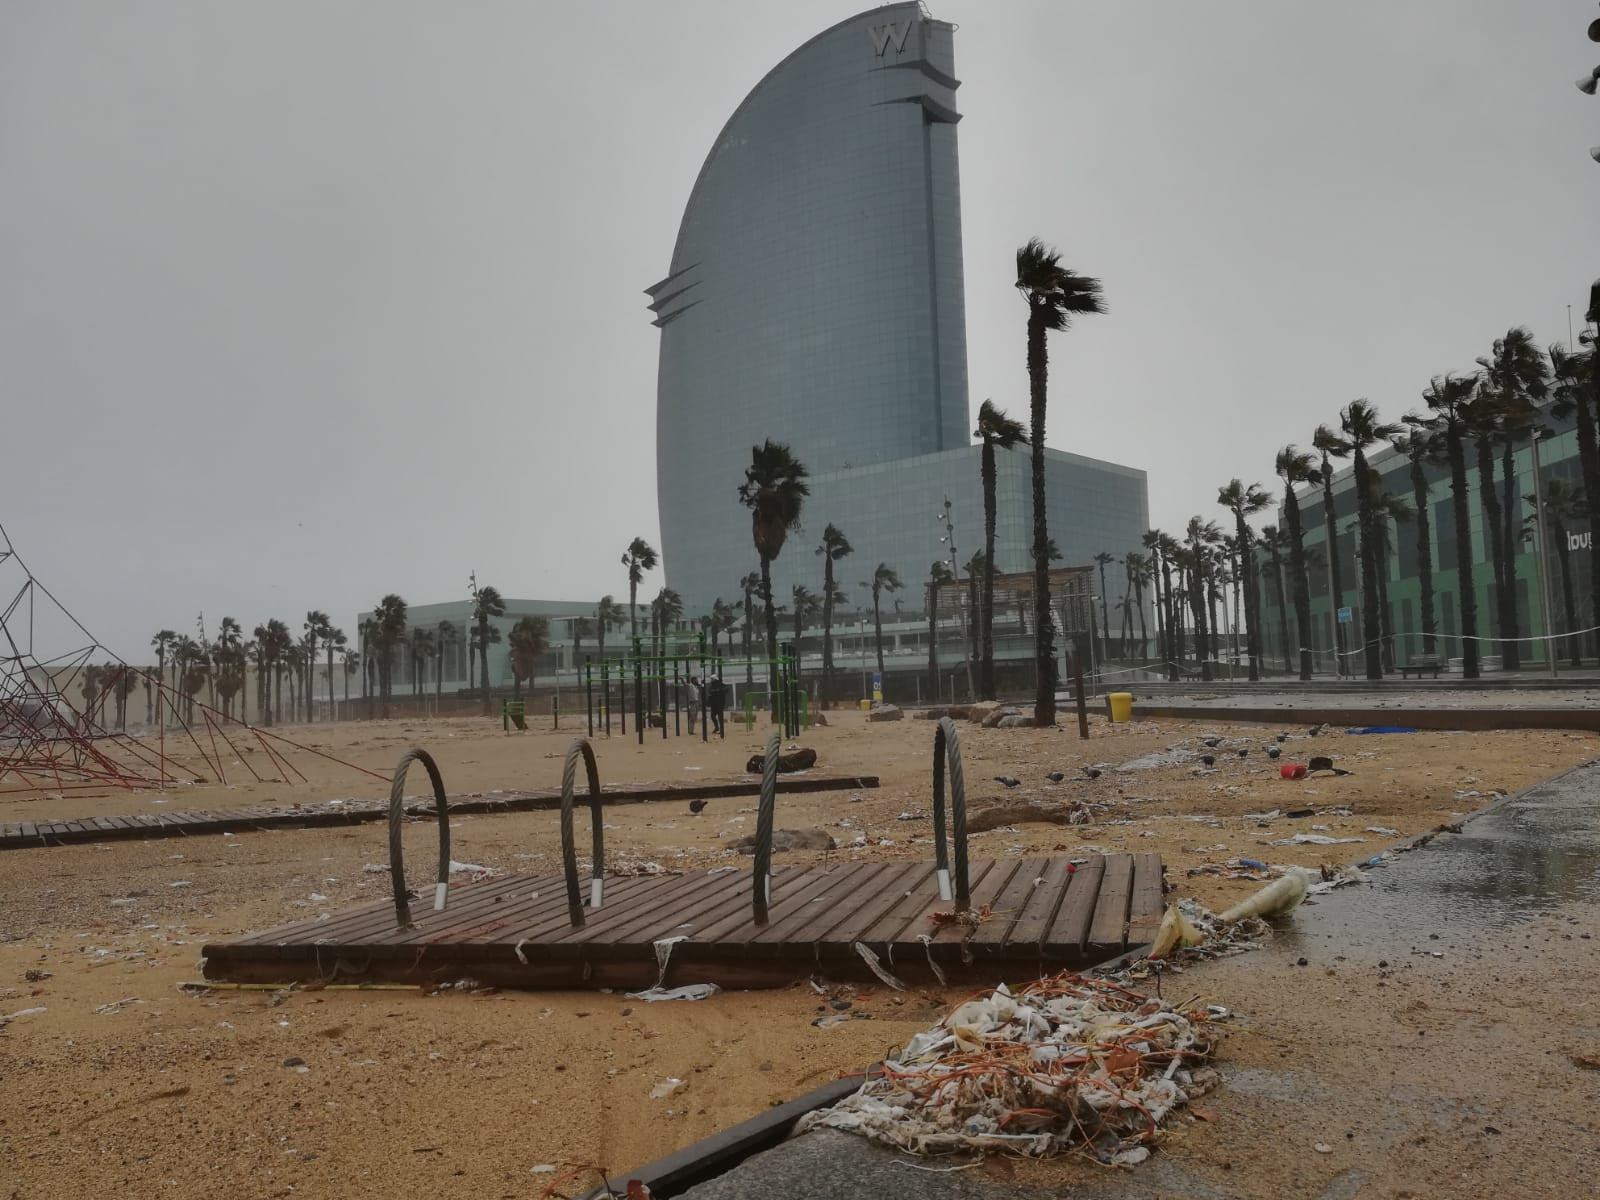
(761, 882)
(947, 746)
(397, 813)
(569, 849)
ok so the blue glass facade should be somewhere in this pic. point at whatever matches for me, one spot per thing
(816, 298)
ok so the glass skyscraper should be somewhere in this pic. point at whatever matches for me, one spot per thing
(816, 298)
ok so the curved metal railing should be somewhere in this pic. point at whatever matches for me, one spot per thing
(397, 813)
(761, 881)
(569, 851)
(947, 747)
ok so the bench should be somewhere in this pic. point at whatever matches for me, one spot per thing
(1421, 663)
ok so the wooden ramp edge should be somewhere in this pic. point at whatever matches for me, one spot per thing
(1029, 916)
(22, 835)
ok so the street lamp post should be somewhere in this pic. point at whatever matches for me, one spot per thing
(955, 571)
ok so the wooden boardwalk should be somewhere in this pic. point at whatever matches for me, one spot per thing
(22, 835)
(1034, 915)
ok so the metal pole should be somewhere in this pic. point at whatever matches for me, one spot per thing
(1333, 621)
(1077, 675)
(588, 690)
(1539, 552)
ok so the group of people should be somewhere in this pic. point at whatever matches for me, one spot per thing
(715, 696)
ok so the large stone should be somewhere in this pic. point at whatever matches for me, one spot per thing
(787, 839)
(1015, 721)
(1000, 714)
(802, 759)
(980, 711)
(885, 712)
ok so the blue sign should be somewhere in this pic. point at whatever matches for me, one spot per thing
(877, 687)
(1344, 615)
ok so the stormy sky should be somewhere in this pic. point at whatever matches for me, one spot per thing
(301, 303)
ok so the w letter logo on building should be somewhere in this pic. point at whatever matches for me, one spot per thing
(894, 33)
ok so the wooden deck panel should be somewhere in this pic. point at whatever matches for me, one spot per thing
(1041, 916)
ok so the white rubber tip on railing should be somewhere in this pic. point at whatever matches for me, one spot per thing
(769, 888)
(944, 884)
(597, 889)
(440, 891)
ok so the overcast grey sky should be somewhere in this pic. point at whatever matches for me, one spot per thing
(301, 303)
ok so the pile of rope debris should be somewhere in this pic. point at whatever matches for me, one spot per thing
(1067, 1064)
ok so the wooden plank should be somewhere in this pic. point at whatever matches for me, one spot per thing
(1039, 912)
(844, 921)
(1149, 900)
(837, 885)
(1012, 901)
(888, 895)
(1109, 929)
(789, 884)
(1070, 929)
(647, 923)
(914, 921)
(983, 892)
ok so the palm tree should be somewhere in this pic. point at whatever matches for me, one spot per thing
(1054, 295)
(774, 490)
(1151, 540)
(350, 660)
(639, 557)
(723, 619)
(807, 604)
(1273, 540)
(333, 639)
(388, 632)
(446, 637)
(1449, 398)
(996, 431)
(1386, 508)
(582, 627)
(1570, 375)
(317, 626)
(834, 546)
(1518, 377)
(974, 568)
(163, 643)
(279, 644)
(530, 637)
(1362, 429)
(750, 585)
(1330, 446)
(1422, 448)
(665, 611)
(884, 579)
(1296, 468)
(939, 576)
(1245, 502)
(1483, 417)
(423, 647)
(1102, 559)
(367, 631)
(487, 602)
(608, 615)
(1136, 567)
(1199, 535)
(1564, 503)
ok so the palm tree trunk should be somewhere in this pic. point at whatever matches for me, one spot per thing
(1371, 614)
(1589, 458)
(1489, 500)
(771, 613)
(1044, 652)
(1510, 625)
(933, 645)
(1385, 617)
(1467, 597)
(1569, 607)
(1419, 495)
(483, 662)
(1105, 617)
(975, 619)
(1335, 578)
(1283, 610)
(986, 687)
(1144, 634)
(827, 626)
(877, 629)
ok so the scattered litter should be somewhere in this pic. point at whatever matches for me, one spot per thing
(1335, 877)
(34, 975)
(1176, 932)
(181, 883)
(1315, 839)
(1323, 1148)
(544, 1169)
(1101, 1068)
(473, 869)
(877, 967)
(1278, 898)
(689, 991)
(829, 1020)
(1238, 868)
(1384, 830)
(106, 1010)
(376, 869)
(1384, 729)
(317, 898)
(665, 1088)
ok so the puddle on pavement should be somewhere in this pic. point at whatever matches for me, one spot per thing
(1525, 858)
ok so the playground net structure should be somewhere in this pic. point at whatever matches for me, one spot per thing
(675, 682)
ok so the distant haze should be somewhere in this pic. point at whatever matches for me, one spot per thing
(303, 303)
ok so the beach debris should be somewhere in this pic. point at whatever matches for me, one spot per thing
(375, 869)
(1334, 877)
(1176, 932)
(666, 1088)
(1278, 898)
(1238, 868)
(1292, 770)
(1314, 731)
(689, 991)
(1384, 729)
(1323, 763)
(787, 839)
(798, 759)
(1068, 1063)
(829, 1020)
(1315, 839)
(472, 869)
(1384, 830)
(34, 975)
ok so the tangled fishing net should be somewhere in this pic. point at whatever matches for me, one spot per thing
(1066, 1064)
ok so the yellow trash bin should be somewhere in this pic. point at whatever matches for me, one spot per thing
(1121, 706)
(866, 706)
